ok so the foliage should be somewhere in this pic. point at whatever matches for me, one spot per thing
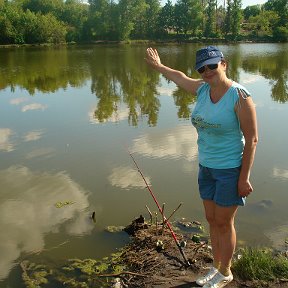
(57, 21)
(166, 17)
(188, 16)
(236, 17)
(263, 23)
(261, 264)
(253, 10)
(210, 19)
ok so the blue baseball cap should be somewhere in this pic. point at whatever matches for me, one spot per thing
(208, 55)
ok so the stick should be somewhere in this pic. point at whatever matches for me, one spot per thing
(119, 274)
(156, 222)
(163, 220)
(160, 210)
(173, 212)
(151, 216)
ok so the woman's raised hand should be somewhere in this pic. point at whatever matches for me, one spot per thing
(152, 57)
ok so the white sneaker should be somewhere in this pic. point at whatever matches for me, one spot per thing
(206, 278)
(218, 281)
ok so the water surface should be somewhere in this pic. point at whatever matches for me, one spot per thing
(69, 115)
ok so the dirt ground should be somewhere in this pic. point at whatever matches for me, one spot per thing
(156, 260)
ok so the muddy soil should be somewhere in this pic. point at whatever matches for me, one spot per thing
(155, 258)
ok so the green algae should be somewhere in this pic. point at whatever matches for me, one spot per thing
(34, 275)
(80, 273)
(61, 204)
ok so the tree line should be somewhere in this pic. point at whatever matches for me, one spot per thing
(59, 21)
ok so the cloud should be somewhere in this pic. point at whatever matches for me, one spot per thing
(34, 106)
(180, 141)
(5, 142)
(126, 177)
(28, 212)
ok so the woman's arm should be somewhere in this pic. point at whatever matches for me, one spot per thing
(178, 77)
(247, 116)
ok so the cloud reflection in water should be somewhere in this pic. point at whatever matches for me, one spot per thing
(5, 142)
(28, 212)
(34, 106)
(33, 136)
(126, 177)
(178, 142)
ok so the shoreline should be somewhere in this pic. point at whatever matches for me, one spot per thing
(137, 42)
(151, 259)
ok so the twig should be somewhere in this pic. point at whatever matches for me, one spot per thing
(163, 219)
(156, 219)
(120, 274)
(151, 216)
(196, 251)
(174, 211)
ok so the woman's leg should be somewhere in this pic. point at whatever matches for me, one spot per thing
(222, 233)
(210, 208)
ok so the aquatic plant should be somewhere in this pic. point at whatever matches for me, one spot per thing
(34, 275)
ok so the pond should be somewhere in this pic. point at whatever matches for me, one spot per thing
(71, 115)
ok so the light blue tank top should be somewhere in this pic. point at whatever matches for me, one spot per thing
(220, 139)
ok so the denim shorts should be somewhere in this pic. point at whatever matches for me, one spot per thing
(220, 186)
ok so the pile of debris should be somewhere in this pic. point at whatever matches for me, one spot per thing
(154, 257)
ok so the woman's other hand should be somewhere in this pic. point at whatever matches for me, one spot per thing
(244, 188)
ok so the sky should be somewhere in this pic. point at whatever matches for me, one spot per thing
(244, 2)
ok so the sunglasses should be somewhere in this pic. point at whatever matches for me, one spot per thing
(210, 66)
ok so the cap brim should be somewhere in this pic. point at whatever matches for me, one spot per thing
(215, 60)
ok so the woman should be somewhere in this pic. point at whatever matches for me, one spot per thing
(225, 119)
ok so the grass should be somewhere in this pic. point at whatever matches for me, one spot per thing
(261, 264)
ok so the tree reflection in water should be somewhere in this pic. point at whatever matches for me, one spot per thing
(119, 75)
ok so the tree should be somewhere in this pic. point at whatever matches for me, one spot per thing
(188, 16)
(49, 29)
(75, 15)
(140, 22)
(236, 17)
(99, 18)
(151, 15)
(228, 18)
(196, 14)
(43, 6)
(264, 22)
(220, 20)
(253, 10)
(11, 28)
(129, 11)
(280, 30)
(210, 26)
(281, 8)
(166, 17)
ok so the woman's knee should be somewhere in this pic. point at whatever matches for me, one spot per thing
(211, 219)
(224, 225)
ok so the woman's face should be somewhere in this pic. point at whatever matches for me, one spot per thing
(214, 73)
